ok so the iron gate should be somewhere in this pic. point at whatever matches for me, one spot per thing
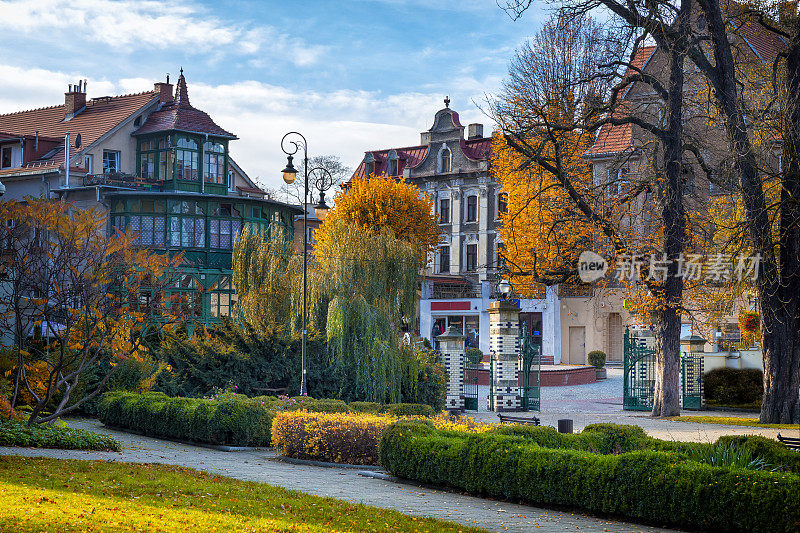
(471, 373)
(692, 380)
(639, 371)
(531, 367)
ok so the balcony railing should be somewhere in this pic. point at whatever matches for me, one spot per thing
(118, 179)
(452, 291)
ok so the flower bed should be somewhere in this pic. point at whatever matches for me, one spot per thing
(649, 485)
(14, 433)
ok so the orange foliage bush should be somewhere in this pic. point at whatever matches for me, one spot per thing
(331, 437)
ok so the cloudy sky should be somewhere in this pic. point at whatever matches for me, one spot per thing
(349, 75)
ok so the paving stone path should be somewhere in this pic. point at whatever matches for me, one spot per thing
(339, 483)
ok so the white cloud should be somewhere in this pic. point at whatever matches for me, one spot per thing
(126, 25)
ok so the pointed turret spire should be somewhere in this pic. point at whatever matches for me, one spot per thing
(181, 93)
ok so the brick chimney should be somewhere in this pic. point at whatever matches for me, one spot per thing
(74, 99)
(165, 91)
(475, 131)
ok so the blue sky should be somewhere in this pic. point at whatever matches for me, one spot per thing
(350, 75)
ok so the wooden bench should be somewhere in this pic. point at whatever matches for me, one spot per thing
(512, 419)
(793, 443)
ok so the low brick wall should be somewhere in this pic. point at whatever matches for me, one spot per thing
(558, 377)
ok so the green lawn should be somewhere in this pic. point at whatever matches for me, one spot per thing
(732, 421)
(39, 494)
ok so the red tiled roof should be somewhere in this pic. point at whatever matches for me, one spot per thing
(477, 149)
(764, 43)
(99, 117)
(408, 157)
(614, 139)
(180, 115)
(412, 156)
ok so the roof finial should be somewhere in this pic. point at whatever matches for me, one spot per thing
(447, 101)
(181, 70)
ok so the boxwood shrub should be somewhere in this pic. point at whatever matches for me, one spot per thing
(647, 485)
(16, 433)
(408, 409)
(235, 421)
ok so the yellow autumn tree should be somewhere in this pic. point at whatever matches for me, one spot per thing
(376, 203)
(542, 231)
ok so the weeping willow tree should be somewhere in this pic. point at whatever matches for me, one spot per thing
(362, 285)
(371, 276)
(267, 274)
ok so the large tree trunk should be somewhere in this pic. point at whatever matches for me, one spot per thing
(781, 402)
(667, 400)
(780, 326)
(668, 318)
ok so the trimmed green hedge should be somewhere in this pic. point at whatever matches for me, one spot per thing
(408, 409)
(13, 433)
(648, 485)
(734, 387)
(231, 420)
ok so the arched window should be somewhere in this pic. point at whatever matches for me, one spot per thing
(445, 160)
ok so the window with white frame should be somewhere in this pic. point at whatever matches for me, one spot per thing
(472, 208)
(444, 211)
(444, 259)
(393, 163)
(471, 257)
(369, 165)
(88, 162)
(111, 162)
(5, 157)
(502, 204)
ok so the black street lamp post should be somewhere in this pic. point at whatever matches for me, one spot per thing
(322, 183)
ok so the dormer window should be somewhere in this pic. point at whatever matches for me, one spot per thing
(393, 163)
(445, 160)
(369, 165)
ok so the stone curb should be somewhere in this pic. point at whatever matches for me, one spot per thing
(309, 462)
(218, 447)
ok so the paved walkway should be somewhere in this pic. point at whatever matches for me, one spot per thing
(602, 402)
(341, 484)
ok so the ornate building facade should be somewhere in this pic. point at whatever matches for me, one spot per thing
(154, 164)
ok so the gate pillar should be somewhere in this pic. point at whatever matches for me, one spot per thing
(451, 346)
(504, 347)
